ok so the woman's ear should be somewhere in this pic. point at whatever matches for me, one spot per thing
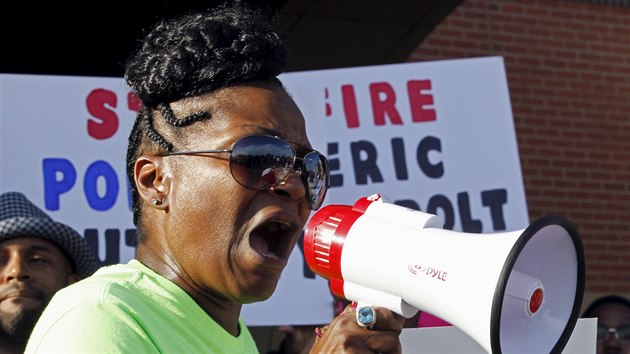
(151, 180)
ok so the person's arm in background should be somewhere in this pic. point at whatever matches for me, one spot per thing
(297, 339)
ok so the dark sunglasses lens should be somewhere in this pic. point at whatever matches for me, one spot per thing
(602, 332)
(255, 160)
(624, 333)
(315, 177)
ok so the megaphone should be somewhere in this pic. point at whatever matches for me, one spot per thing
(511, 292)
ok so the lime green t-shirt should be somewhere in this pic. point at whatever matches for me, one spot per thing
(128, 308)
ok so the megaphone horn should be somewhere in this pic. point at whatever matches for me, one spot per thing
(512, 292)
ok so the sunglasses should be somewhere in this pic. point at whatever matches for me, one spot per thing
(264, 161)
(622, 334)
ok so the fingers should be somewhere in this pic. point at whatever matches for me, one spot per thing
(386, 320)
(320, 331)
(344, 335)
(387, 342)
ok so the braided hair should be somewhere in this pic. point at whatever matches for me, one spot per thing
(189, 56)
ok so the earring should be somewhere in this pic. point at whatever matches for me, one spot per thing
(155, 201)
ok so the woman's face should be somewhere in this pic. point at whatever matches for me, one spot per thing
(218, 236)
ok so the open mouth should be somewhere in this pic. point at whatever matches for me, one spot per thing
(272, 239)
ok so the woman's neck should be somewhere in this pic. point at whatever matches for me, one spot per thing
(224, 312)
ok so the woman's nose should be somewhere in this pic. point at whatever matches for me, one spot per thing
(290, 186)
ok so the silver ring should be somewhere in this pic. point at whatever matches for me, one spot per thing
(366, 317)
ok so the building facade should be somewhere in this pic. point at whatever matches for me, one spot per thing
(568, 69)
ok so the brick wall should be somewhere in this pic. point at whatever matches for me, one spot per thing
(568, 69)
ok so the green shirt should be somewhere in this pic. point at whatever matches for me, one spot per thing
(128, 308)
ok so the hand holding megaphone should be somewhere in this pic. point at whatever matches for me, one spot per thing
(343, 335)
(513, 292)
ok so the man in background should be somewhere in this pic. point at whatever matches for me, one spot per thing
(613, 323)
(38, 256)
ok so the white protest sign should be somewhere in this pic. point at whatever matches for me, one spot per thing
(452, 340)
(64, 141)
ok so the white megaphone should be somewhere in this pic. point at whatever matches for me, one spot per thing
(512, 292)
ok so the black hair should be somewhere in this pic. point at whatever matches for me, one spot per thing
(604, 300)
(192, 55)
